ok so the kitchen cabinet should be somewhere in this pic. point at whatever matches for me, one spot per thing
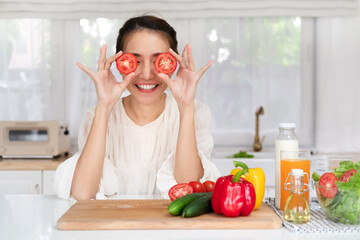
(20, 181)
(28, 176)
(48, 181)
(27, 181)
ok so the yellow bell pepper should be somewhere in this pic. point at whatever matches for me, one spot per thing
(254, 175)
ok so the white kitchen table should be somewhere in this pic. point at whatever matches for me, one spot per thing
(35, 216)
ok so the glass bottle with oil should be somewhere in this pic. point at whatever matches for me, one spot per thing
(296, 207)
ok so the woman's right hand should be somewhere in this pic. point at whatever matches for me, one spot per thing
(108, 90)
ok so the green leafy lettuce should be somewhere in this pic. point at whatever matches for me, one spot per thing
(345, 206)
(241, 154)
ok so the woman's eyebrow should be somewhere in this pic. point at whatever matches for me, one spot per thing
(152, 55)
(156, 54)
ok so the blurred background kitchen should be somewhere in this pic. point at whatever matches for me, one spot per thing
(300, 60)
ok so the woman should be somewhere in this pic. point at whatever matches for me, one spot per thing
(150, 140)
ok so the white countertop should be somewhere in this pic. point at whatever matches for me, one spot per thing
(35, 216)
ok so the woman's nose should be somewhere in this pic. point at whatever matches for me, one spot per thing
(147, 70)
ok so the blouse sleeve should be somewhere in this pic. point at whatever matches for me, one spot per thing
(65, 171)
(205, 143)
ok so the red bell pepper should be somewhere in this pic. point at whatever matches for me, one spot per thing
(233, 196)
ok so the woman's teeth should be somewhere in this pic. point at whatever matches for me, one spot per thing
(147, 87)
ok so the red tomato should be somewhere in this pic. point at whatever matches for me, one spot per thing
(180, 190)
(126, 63)
(165, 63)
(345, 177)
(209, 186)
(197, 186)
(329, 188)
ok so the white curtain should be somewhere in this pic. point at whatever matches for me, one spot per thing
(337, 68)
(248, 72)
(338, 84)
(75, 9)
(25, 83)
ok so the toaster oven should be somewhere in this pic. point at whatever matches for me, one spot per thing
(34, 139)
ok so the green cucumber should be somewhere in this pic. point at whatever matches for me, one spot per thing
(197, 207)
(176, 207)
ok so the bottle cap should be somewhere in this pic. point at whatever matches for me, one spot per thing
(287, 125)
(297, 172)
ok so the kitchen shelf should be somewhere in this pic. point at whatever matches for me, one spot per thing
(31, 163)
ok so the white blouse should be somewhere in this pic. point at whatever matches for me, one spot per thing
(140, 159)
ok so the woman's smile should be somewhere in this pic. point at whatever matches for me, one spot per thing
(147, 88)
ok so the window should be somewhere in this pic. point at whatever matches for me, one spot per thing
(258, 62)
(95, 33)
(25, 69)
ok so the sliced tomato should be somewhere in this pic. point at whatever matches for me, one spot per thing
(197, 186)
(126, 63)
(327, 186)
(179, 190)
(345, 177)
(165, 63)
(209, 186)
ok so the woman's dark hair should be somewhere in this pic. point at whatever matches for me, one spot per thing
(147, 22)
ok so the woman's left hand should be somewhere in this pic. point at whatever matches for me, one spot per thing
(183, 87)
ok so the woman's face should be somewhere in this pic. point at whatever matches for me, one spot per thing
(146, 45)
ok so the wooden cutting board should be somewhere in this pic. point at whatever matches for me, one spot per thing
(153, 214)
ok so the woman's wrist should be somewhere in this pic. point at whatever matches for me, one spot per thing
(103, 110)
(187, 109)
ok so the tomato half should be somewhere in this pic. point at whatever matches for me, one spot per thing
(197, 186)
(179, 190)
(209, 186)
(126, 63)
(165, 63)
(345, 177)
(327, 186)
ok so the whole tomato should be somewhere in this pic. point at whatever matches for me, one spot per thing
(209, 186)
(197, 186)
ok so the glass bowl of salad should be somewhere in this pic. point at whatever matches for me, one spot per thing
(338, 192)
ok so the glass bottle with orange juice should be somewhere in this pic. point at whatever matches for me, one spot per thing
(293, 160)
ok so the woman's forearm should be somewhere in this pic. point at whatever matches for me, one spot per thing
(89, 168)
(188, 166)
